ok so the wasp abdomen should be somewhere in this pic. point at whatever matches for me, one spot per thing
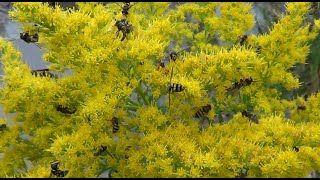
(203, 111)
(115, 123)
(175, 88)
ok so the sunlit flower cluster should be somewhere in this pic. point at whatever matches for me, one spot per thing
(108, 110)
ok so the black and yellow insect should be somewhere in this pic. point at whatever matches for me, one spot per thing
(56, 171)
(123, 26)
(29, 38)
(101, 151)
(252, 117)
(125, 8)
(203, 111)
(174, 87)
(296, 148)
(115, 125)
(243, 39)
(242, 83)
(258, 50)
(43, 73)
(65, 110)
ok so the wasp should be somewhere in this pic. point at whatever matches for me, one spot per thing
(101, 151)
(243, 39)
(310, 28)
(125, 8)
(3, 127)
(115, 125)
(124, 27)
(30, 38)
(56, 171)
(127, 149)
(204, 110)
(65, 110)
(174, 87)
(173, 56)
(250, 116)
(258, 50)
(43, 73)
(242, 83)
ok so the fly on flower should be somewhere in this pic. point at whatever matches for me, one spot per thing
(65, 110)
(29, 37)
(125, 8)
(173, 55)
(203, 111)
(43, 73)
(252, 117)
(123, 26)
(242, 40)
(56, 171)
(115, 125)
(101, 151)
(242, 83)
(174, 87)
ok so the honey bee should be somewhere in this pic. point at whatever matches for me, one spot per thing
(3, 127)
(243, 39)
(203, 111)
(242, 83)
(43, 73)
(124, 27)
(56, 171)
(65, 110)
(250, 116)
(125, 8)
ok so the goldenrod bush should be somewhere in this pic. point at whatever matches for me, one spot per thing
(113, 78)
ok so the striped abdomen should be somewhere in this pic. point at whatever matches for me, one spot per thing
(203, 111)
(175, 88)
(115, 124)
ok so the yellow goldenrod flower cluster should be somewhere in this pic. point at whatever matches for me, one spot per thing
(111, 112)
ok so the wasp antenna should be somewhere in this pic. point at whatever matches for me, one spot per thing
(37, 45)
